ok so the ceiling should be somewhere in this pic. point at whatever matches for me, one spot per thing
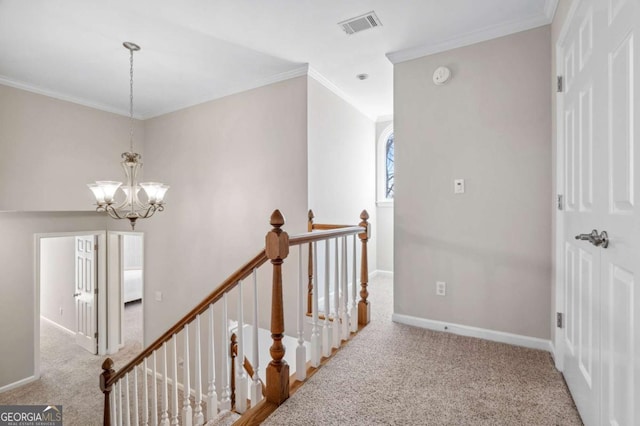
(196, 50)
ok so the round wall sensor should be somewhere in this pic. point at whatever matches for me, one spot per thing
(441, 75)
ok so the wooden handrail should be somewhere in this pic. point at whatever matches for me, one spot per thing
(216, 295)
(327, 226)
(309, 237)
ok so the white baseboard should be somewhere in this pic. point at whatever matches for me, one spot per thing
(381, 273)
(481, 333)
(58, 326)
(19, 383)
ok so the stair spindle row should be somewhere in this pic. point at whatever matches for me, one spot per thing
(155, 399)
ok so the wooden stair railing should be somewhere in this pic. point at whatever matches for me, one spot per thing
(364, 316)
(116, 385)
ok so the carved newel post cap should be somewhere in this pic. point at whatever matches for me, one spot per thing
(107, 372)
(311, 215)
(277, 240)
(107, 364)
(364, 216)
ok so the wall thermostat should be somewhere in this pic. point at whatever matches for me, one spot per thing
(441, 75)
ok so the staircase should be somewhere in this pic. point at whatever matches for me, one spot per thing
(207, 368)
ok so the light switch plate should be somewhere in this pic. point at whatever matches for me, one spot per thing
(158, 296)
(458, 186)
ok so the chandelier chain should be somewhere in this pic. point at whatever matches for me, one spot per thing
(131, 100)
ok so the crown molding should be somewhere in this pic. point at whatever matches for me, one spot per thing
(304, 70)
(550, 7)
(313, 73)
(296, 72)
(474, 37)
(232, 90)
(16, 84)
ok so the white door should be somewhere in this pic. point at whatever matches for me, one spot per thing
(601, 305)
(85, 295)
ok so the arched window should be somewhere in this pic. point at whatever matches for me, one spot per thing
(388, 189)
(385, 169)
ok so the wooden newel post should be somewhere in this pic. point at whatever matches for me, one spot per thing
(310, 270)
(277, 249)
(107, 373)
(364, 312)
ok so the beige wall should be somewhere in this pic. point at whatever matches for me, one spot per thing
(556, 26)
(230, 163)
(491, 126)
(341, 162)
(17, 285)
(57, 280)
(50, 149)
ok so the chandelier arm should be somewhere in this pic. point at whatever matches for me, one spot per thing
(113, 212)
(150, 211)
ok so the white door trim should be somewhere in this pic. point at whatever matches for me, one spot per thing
(102, 280)
(116, 304)
(558, 347)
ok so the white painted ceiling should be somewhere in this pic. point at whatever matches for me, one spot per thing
(197, 50)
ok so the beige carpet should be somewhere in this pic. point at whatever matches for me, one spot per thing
(392, 374)
(389, 374)
(70, 375)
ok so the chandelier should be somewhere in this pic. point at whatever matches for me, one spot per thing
(132, 207)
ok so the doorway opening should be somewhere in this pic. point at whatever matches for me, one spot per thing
(69, 315)
(132, 288)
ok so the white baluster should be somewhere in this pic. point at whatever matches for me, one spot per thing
(241, 376)
(326, 341)
(256, 385)
(120, 403)
(154, 406)
(315, 330)
(354, 286)
(187, 416)
(164, 420)
(344, 301)
(225, 403)
(127, 400)
(176, 409)
(301, 351)
(335, 331)
(114, 407)
(135, 398)
(212, 395)
(145, 393)
(198, 417)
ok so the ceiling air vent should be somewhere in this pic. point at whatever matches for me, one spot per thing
(360, 23)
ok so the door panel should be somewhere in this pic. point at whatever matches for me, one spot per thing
(602, 303)
(86, 279)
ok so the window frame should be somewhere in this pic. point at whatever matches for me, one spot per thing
(381, 169)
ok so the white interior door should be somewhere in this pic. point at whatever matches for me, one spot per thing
(601, 342)
(85, 295)
(621, 219)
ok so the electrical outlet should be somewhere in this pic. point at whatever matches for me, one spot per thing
(158, 296)
(458, 186)
(441, 288)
